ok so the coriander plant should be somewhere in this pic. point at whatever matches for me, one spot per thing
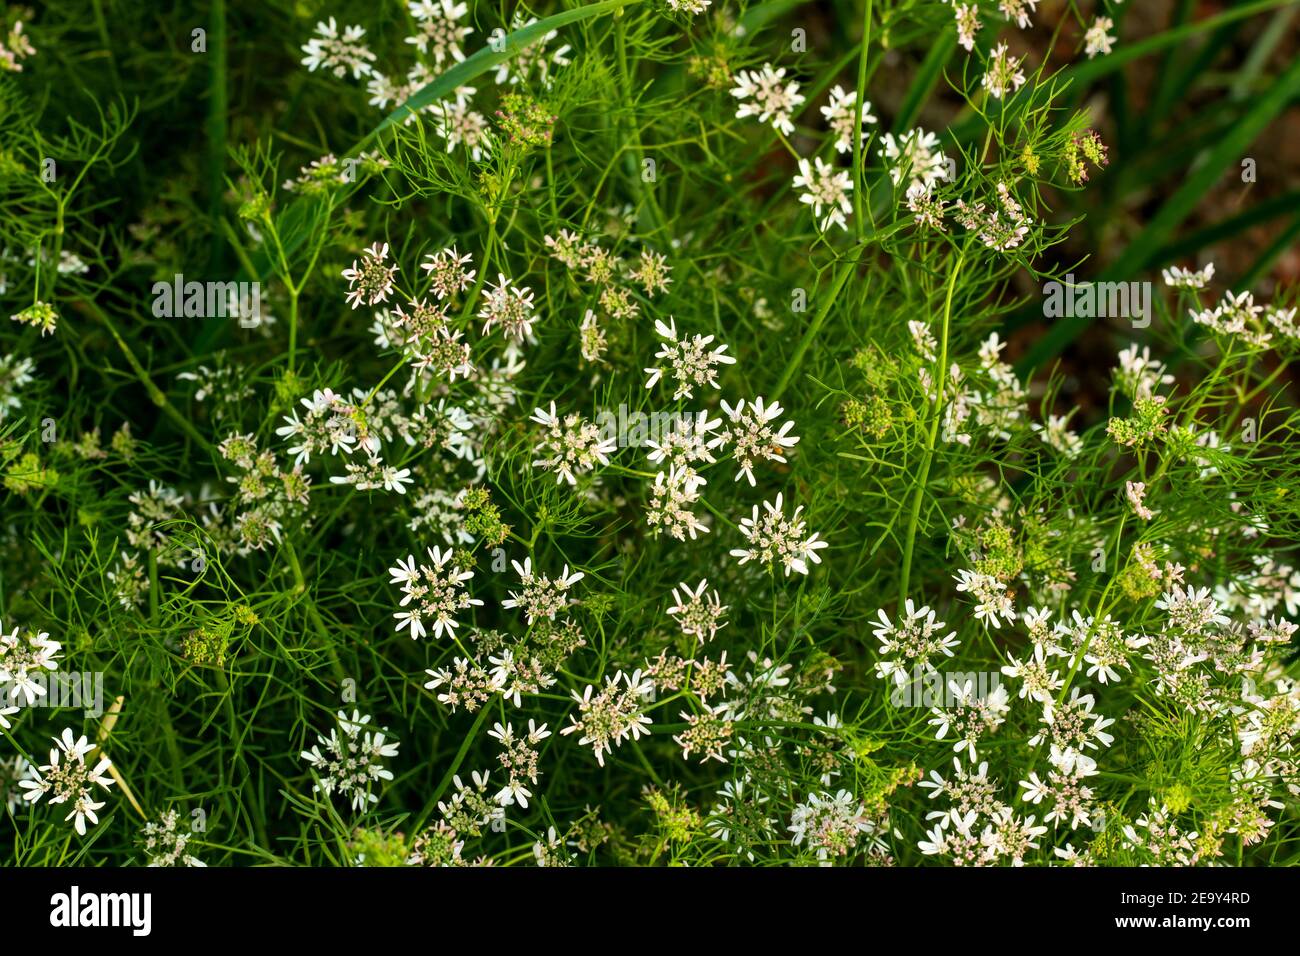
(649, 432)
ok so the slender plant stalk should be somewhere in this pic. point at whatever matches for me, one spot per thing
(860, 98)
(936, 416)
(217, 109)
(155, 393)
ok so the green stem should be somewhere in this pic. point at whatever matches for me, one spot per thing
(293, 331)
(318, 623)
(631, 135)
(472, 299)
(217, 106)
(384, 381)
(155, 393)
(152, 560)
(1282, 367)
(810, 333)
(922, 479)
(859, 99)
(459, 759)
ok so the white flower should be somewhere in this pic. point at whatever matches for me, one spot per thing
(39, 315)
(970, 717)
(338, 53)
(541, 596)
(382, 91)
(165, 842)
(1136, 492)
(827, 191)
(690, 361)
(841, 115)
(1018, 10)
(67, 777)
(1191, 610)
(1002, 227)
(686, 442)
(447, 272)
(1035, 621)
(830, 825)
(1011, 836)
(952, 837)
(1179, 278)
(328, 425)
(13, 50)
(350, 759)
(968, 24)
(461, 125)
(592, 338)
(1102, 643)
(651, 272)
(696, 615)
(671, 497)
(1072, 725)
(609, 717)
(1097, 39)
(707, 732)
(510, 307)
(519, 758)
(534, 58)
(970, 789)
(750, 433)
(990, 594)
(1038, 681)
(923, 339)
(914, 641)
(1161, 842)
(464, 684)
(370, 278)
(1003, 74)
(1056, 434)
(15, 373)
(1274, 631)
(1234, 315)
(765, 94)
(434, 591)
(773, 537)
(691, 7)
(1139, 375)
(23, 659)
(571, 445)
(437, 29)
(926, 208)
(442, 353)
(373, 474)
(915, 155)
(1069, 760)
